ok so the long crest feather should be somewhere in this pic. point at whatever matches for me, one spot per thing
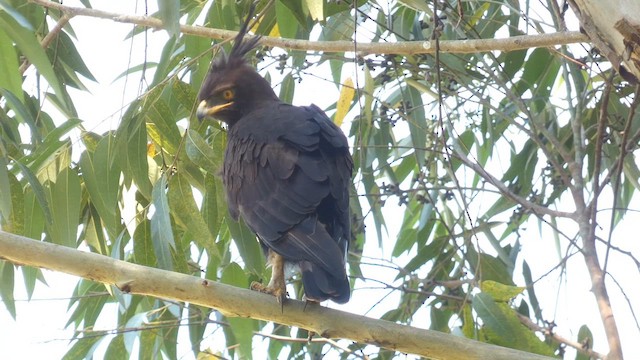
(241, 46)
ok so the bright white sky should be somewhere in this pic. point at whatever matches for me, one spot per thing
(40, 327)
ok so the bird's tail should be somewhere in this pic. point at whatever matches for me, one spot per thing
(320, 285)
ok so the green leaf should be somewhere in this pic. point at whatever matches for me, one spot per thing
(500, 292)
(67, 52)
(287, 23)
(137, 321)
(316, 9)
(533, 299)
(161, 229)
(585, 337)
(5, 192)
(65, 193)
(486, 267)
(201, 153)
(21, 112)
(15, 222)
(85, 346)
(502, 326)
(34, 223)
(186, 213)
(10, 78)
(287, 89)
(248, 246)
(30, 47)
(101, 173)
(161, 125)
(149, 345)
(17, 16)
(116, 349)
(170, 15)
(7, 278)
(137, 159)
(143, 250)
(213, 204)
(242, 327)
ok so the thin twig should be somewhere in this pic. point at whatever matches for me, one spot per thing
(46, 41)
(404, 47)
(618, 171)
(548, 333)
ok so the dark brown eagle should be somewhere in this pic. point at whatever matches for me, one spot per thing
(287, 172)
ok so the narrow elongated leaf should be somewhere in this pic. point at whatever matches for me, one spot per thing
(101, 174)
(186, 213)
(15, 221)
(34, 223)
(30, 47)
(6, 287)
(344, 101)
(10, 78)
(116, 349)
(201, 153)
(287, 89)
(137, 159)
(17, 16)
(143, 250)
(287, 23)
(170, 15)
(242, 327)
(21, 111)
(5, 192)
(500, 292)
(533, 299)
(161, 229)
(85, 346)
(502, 326)
(248, 246)
(316, 9)
(65, 195)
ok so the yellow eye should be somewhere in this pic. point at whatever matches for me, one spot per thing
(227, 94)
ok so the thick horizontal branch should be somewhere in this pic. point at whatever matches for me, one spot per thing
(404, 47)
(232, 301)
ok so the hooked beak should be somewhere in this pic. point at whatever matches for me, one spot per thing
(205, 111)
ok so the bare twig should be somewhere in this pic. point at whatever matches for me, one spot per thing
(404, 47)
(312, 340)
(617, 173)
(537, 209)
(548, 333)
(46, 41)
(587, 223)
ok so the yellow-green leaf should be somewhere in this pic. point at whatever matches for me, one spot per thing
(316, 9)
(500, 292)
(344, 101)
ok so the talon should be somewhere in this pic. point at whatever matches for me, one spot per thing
(280, 293)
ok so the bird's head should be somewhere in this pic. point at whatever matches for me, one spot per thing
(233, 88)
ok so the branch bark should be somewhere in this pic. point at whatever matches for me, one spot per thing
(232, 301)
(404, 47)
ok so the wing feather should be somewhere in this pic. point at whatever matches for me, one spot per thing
(287, 173)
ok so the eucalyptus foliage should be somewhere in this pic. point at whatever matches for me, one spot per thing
(458, 157)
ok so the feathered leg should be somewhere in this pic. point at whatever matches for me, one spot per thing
(277, 285)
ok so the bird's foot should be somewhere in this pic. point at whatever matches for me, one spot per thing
(279, 292)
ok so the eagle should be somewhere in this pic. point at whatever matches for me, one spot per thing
(286, 172)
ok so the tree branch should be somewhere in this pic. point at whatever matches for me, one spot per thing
(547, 333)
(233, 301)
(404, 47)
(504, 190)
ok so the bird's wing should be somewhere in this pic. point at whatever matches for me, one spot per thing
(287, 174)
